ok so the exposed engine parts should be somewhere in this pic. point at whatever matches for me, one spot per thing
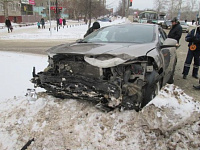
(71, 77)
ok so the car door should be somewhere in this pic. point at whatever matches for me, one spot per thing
(168, 55)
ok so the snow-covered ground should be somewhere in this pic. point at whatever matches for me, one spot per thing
(170, 121)
(16, 72)
(75, 30)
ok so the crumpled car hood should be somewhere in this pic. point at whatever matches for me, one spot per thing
(121, 51)
(115, 49)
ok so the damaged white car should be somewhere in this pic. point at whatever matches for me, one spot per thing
(116, 66)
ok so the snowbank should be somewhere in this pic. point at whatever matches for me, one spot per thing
(71, 124)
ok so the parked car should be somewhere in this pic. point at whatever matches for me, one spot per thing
(166, 24)
(160, 22)
(116, 66)
(105, 19)
(185, 26)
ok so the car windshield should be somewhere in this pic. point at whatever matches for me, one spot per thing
(122, 34)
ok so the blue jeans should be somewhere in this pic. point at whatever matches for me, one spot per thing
(190, 55)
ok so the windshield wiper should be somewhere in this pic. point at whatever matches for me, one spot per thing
(83, 42)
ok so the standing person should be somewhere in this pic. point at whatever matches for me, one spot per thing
(176, 30)
(38, 24)
(193, 38)
(193, 22)
(60, 21)
(43, 23)
(94, 27)
(8, 24)
(64, 22)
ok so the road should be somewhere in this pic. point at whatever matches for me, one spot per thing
(40, 47)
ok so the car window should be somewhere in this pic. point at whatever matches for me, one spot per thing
(162, 35)
(123, 34)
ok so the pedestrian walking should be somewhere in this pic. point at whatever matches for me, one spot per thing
(176, 30)
(60, 21)
(94, 27)
(8, 24)
(64, 22)
(38, 24)
(193, 38)
(193, 22)
(186, 21)
(42, 23)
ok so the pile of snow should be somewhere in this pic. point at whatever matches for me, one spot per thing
(170, 121)
(70, 124)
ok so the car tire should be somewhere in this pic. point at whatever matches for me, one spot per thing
(171, 79)
(150, 93)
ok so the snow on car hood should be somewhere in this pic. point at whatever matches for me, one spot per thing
(121, 52)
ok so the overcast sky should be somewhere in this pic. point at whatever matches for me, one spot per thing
(140, 4)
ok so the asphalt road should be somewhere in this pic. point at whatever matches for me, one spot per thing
(40, 47)
(30, 46)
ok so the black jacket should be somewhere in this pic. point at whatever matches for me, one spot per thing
(175, 32)
(95, 25)
(193, 39)
(8, 23)
(90, 30)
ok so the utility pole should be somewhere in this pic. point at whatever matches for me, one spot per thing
(50, 17)
(127, 10)
(57, 14)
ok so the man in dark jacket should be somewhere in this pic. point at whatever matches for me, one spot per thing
(42, 23)
(8, 24)
(176, 30)
(94, 27)
(193, 38)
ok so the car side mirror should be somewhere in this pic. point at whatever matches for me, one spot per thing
(170, 43)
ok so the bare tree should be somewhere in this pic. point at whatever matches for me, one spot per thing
(160, 5)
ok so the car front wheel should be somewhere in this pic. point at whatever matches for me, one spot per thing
(171, 79)
(150, 93)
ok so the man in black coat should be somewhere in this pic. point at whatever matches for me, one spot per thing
(176, 30)
(94, 27)
(8, 24)
(43, 23)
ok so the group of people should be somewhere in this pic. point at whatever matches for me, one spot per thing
(9, 25)
(193, 38)
(61, 21)
(41, 22)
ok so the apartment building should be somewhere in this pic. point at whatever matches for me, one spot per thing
(10, 9)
